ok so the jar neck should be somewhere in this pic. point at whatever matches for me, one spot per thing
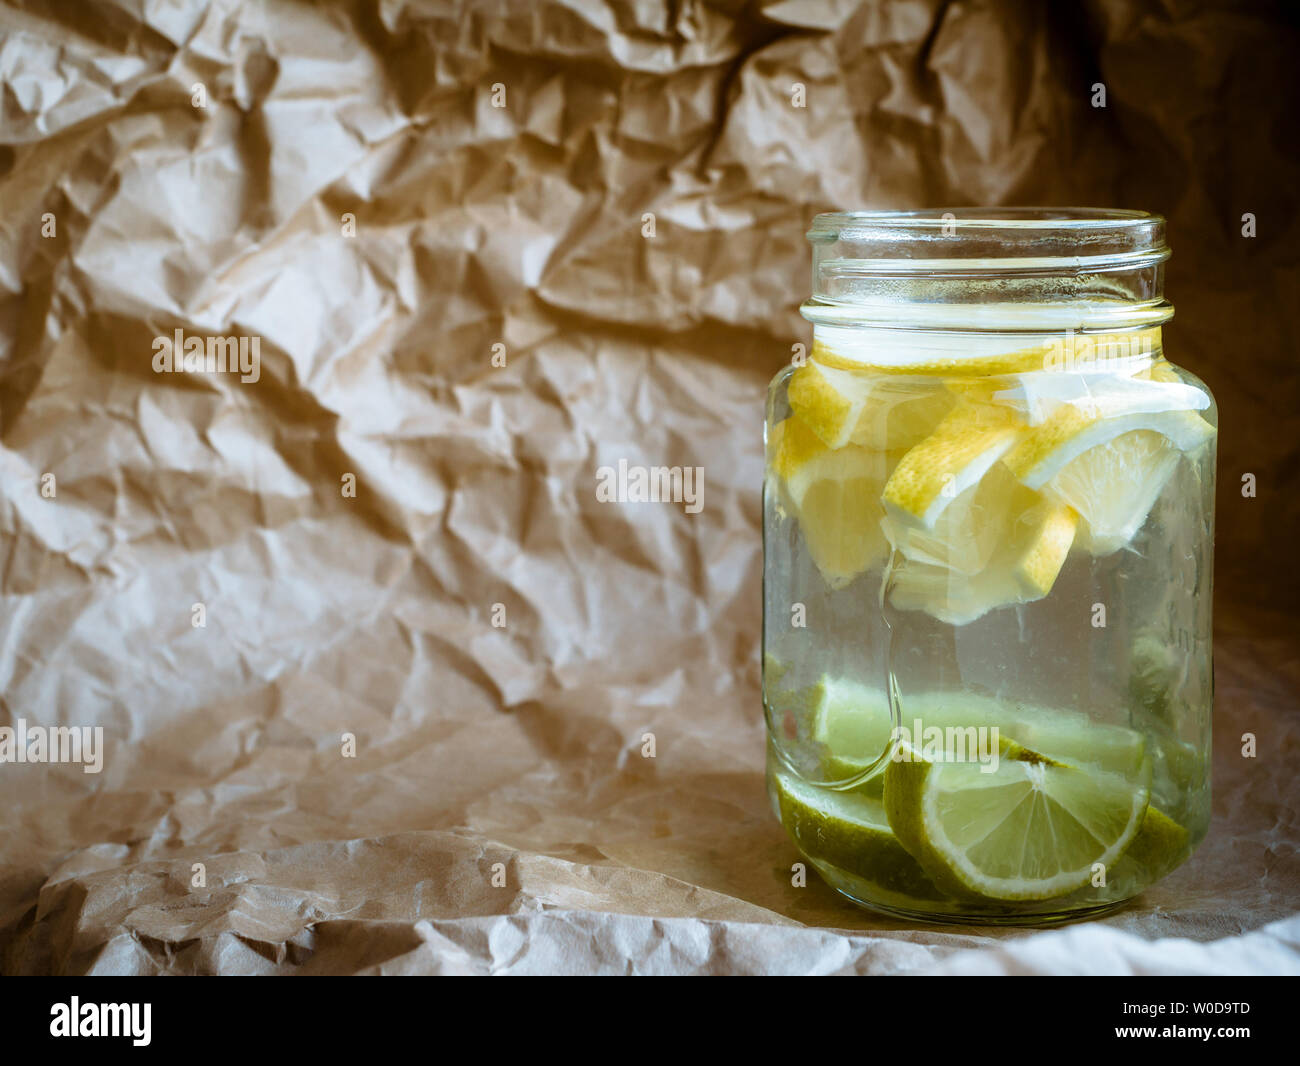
(1037, 271)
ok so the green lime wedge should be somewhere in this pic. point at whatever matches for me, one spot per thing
(1075, 738)
(1033, 828)
(773, 670)
(1160, 844)
(849, 830)
(851, 721)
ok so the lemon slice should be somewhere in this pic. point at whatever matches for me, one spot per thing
(1039, 395)
(1032, 829)
(1046, 450)
(932, 361)
(829, 401)
(960, 451)
(843, 406)
(900, 416)
(970, 529)
(899, 352)
(1109, 467)
(835, 495)
(1115, 486)
(850, 831)
(1163, 370)
(1024, 568)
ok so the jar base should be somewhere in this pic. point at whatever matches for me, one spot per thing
(848, 886)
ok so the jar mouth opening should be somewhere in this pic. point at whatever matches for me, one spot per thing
(994, 217)
(983, 241)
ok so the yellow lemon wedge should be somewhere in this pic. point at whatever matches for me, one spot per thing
(1110, 468)
(1032, 549)
(829, 401)
(970, 529)
(834, 493)
(844, 406)
(960, 451)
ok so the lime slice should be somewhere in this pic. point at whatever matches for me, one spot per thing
(773, 670)
(1062, 735)
(852, 722)
(1032, 829)
(1180, 764)
(1157, 680)
(850, 831)
(1160, 843)
(1084, 743)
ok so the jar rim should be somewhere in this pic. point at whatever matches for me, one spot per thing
(833, 224)
(988, 240)
(938, 266)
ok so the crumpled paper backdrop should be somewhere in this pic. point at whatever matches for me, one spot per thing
(519, 231)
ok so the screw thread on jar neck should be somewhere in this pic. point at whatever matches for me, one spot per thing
(980, 270)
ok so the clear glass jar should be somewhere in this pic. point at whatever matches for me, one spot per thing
(988, 536)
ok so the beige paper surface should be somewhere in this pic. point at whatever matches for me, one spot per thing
(390, 536)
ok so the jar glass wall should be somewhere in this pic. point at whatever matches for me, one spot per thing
(988, 534)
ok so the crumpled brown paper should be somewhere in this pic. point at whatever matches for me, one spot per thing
(486, 250)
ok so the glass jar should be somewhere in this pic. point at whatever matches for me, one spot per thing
(988, 534)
